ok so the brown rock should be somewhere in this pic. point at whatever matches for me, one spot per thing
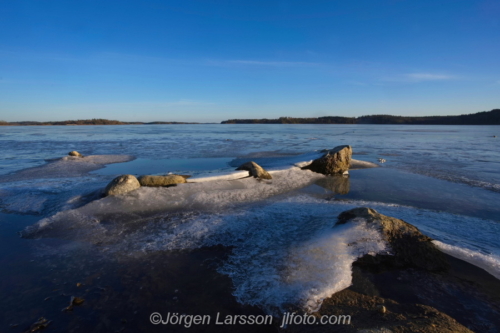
(122, 184)
(75, 153)
(335, 161)
(157, 181)
(410, 248)
(255, 170)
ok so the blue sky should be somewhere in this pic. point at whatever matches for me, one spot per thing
(216, 60)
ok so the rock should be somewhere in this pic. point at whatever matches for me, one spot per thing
(410, 248)
(39, 325)
(382, 309)
(255, 170)
(72, 302)
(157, 181)
(122, 184)
(335, 183)
(75, 153)
(335, 161)
(404, 317)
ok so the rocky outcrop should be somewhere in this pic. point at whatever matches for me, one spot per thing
(366, 316)
(75, 153)
(335, 161)
(255, 170)
(122, 184)
(409, 247)
(159, 181)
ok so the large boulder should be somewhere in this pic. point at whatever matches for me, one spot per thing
(335, 161)
(158, 181)
(122, 184)
(255, 170)
(75, 153)
(409, 247)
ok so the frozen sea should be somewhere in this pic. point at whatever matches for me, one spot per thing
(443, 179)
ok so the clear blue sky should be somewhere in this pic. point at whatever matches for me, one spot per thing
(214, 60)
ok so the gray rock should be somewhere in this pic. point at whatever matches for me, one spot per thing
(75, 153)
(158, 181)
(255, 170)
(122, 184)
(410, 248)
(335, 161)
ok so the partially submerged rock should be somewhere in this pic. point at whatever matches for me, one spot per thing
(255, 170)
(157, 181)
(410, 248)
(75, 153)
(335, 161)
(122, 184)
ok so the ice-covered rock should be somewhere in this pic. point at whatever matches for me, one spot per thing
(410, 248)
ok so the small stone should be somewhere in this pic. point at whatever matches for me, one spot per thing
(381, 309)
(72, 302)
(75, 153)
(255, 170)
(40, 324)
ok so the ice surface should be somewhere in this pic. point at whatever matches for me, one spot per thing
(68, 166)
(286, 249)
(59, 184)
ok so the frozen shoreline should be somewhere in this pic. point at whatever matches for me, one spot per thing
(198, 216)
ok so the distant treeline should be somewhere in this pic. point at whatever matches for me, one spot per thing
(84, 122)
(481, 118)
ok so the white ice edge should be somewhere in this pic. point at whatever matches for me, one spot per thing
(490, 263)
(271, 170)
(233, 175)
